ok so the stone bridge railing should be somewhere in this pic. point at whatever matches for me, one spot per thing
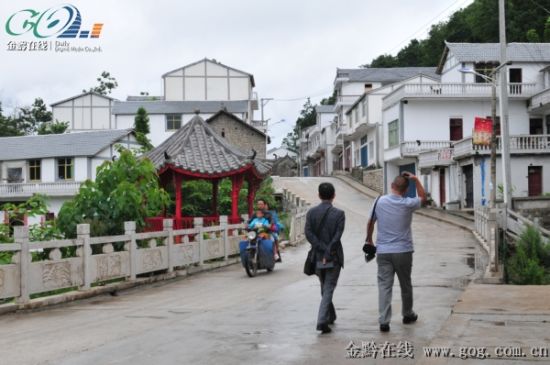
(297, 209)
(99, 259)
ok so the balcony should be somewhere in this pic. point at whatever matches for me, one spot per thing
(455, 90)
(540, 102)
(413, 148)
(346, 99)
(519, 144)
(442, 157)
(25, 190)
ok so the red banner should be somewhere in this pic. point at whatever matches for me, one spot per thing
(483, 129)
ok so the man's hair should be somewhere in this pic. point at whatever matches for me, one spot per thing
(401, 183)
(326, 191)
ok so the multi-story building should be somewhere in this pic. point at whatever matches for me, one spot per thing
(428, 126)
(358, 99)
(319, 142)
(206, 86)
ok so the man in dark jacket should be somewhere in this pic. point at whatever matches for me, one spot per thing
(324, 228)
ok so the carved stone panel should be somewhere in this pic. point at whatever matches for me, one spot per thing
(56, 275)
(152, 260)
(109, 266)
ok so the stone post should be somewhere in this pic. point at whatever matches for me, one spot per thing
(198, 223)
(225, 236)
(168, 225)
(21, 235)
(130, 230)
(83, 235)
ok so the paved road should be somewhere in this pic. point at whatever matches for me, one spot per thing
(224, 317)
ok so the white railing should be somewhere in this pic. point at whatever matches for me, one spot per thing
(97, 260)
(518, 144)
(486, 230)
(28, 189)
(516, 224)
(540, 99)
(455, 90)
(413, 148)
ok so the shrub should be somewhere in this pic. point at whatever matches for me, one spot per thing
(530, 263)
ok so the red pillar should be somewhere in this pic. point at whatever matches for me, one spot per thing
(236, 184)
(215, 189)
(177, 183)
(252, 188)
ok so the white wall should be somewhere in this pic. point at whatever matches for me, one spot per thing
(429, 120)
(85, 112)
(207, 80)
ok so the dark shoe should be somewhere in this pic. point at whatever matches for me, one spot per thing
(410, 319)
(324, 328)
(279, 259)
(384, 328)
(332, 320)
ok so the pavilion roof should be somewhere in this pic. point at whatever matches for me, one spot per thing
(195, 149)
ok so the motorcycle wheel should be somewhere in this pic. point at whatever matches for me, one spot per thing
(251, 267)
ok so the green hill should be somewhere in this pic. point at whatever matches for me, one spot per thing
(526, 21)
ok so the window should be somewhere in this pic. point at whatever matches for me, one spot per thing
(173, 122)
(15, 174)
(363, 140)
(484, 68)
(393, 133)
(356, 117)
(363, 107)
(368, 87)
(65, 168)
(455, 127)
(34, 170)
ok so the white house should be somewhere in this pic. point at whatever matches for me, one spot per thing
(206, 86)
(55, 165)
(319, 141)
(279, 152)
(357, 114)
(428, 126)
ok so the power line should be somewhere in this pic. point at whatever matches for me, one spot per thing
(423, 27)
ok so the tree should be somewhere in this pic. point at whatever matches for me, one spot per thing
(8, 126)
(477, 22)
(547, 30)
(290, 142)
(107, 84)
(126, 189)
(31, 118)
(56, 127)
(331, 100)
(533, 36)
(141, 127)
(308, 115)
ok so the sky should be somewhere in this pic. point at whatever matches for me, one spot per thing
(292, 47)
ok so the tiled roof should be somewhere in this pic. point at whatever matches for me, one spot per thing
(179, 107)
(490, 52)
(384, 75)
(198, 149)
(59, 145)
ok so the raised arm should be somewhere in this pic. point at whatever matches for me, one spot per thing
(419, 188)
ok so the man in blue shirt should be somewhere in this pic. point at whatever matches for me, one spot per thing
(394, 246)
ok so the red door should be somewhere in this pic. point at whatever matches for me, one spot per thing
(442, 197)
(535, 180)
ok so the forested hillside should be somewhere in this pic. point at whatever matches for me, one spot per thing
(526, 21)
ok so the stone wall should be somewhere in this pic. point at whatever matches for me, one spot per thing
(239, 134)
(374, 179)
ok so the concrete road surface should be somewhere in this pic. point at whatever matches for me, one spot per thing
(224, 317)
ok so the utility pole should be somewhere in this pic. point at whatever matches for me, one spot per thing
(493, 197)
(505, 130)
(263, 102)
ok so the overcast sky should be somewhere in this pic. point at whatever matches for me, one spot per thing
(292, 47)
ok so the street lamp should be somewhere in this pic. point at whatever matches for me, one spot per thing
(491, 78)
